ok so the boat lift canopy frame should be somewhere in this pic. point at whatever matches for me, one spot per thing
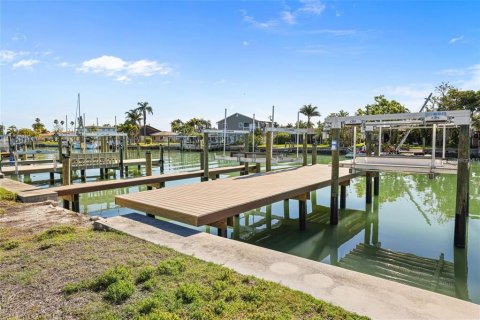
(369, 123)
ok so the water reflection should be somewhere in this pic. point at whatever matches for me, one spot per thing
(368, 240)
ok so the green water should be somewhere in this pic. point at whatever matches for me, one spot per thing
(406, 235)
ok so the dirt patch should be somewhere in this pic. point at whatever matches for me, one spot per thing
(34, 217)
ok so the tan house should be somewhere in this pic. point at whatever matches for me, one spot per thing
(164, 136)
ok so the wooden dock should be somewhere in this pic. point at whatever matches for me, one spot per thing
(214, 201)
(74, 189)
(52, 168)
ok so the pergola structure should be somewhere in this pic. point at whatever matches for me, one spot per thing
(369, 123)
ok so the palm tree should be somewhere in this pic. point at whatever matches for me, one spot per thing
(309, 111)
(176, 125)
(133, 117)
(144, 108)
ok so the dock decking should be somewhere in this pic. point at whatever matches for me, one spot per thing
(50, 167)
(73, 189)
(213, 201)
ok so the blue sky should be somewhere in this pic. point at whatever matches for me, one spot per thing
(193, 59)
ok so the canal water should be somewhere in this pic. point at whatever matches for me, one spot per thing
(406, 235)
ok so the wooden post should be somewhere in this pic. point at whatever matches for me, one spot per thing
(24, 156)
(376, 184)
(314, 153)
(335, 134)
(66, 177)
(368, 143)
(368, 187)
(463, 180)
(305, 151)
(52, 178)
(236, 227)
(286, 209)
(269, 151)
(343, 196)
(268, 217)
(205, 157)
(102, 174)
(202, 162)
(82, 174)
(148, 166)
(60, 149)
(121, 161)
(258, 168)
(162, 162)
(76, 203)
(302, 210)
(245, 170)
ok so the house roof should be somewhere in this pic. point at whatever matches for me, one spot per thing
(150, 130)
(239, 114)
(164, 134)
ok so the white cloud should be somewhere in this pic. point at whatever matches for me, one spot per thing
(258, 24)
(472, 78)
(28, 64)
(103, 64)
(123, 78)
(245, 43)
(464, 78)
(9, 55)
(19, 37)
(64, 64)
(312, 6)
(288, 17)
(455, 40)
(147, 68)
(123, 70)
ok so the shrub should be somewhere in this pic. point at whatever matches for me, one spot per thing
(111, 276)
(6, 195)
(171, 267)
(119, 291)
(71, 288)
(282, 138)
(148, 140)
(9, 245)
(160, 315)
(145, 274)
(54, 232)
(187, 293)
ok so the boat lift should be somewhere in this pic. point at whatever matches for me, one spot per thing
(421, 120)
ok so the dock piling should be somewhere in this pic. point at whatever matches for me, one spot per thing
(463, 181)
(335, 133)
(148, 166)
(52, 178)
(305, 150)
(269, 151)
(343, 196)
(314, 153)
(205, 157)
(162, 161)
(66, 177)
(302, 211)
(376, 184)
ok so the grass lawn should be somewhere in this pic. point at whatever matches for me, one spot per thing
(73, 272)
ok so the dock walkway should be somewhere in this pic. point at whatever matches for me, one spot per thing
(75, 189)
(51, 168)
(214, 201)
